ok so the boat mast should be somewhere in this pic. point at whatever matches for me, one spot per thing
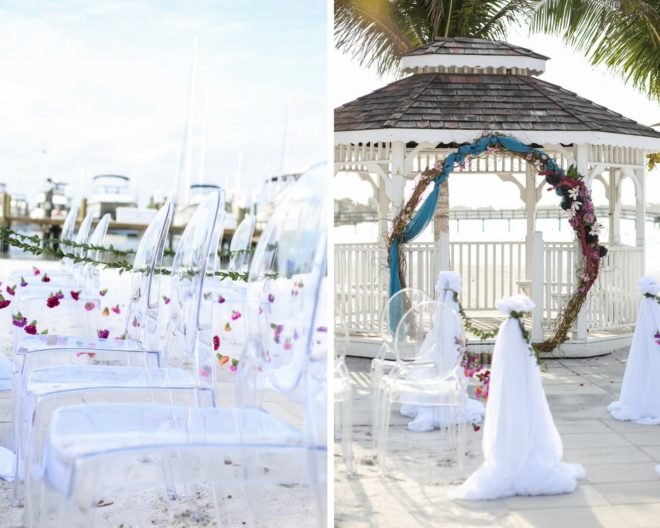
(185, 157)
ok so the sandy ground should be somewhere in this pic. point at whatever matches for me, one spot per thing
(621, 489)
(139, 507)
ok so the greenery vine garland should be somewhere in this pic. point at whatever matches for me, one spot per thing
(32, 245)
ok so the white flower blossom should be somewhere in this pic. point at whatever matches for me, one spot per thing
(595, 229)
(575, 206)
(573, 193)
(448, 280)
(516, 303)
(649, 285)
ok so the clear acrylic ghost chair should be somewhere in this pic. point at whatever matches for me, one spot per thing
(343, 392)
(66, 270)
(241, 242)
(429, 346)
(219, 445)
(50, 388)
(42, 350)
(392, 312)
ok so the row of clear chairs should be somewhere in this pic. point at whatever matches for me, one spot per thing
(70, 451)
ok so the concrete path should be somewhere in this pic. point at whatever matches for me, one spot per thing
(621, 489)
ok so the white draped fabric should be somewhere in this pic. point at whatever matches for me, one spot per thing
(639, 400)
(429, 418)
(5, 373)
(522, 448)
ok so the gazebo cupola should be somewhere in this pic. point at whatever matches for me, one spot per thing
(472, 56)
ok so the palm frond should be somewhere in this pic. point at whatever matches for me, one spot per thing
(620, 34)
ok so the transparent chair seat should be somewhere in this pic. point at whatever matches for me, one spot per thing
(31, 343)
(80, 432)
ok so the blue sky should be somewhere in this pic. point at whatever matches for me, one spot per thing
(94, 87)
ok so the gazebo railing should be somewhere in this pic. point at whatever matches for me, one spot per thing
(490, 270)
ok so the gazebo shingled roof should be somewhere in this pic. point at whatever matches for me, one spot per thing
(480, 101)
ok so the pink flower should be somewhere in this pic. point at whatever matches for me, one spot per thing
(75, 295)
(235, 314)
(115, 309)
(52, 301)
(103, 334)
(11, 290)
(216, 342)
(221, 299)
(589, 218)
(45, 278)
(103, 292)
(88, 354)
(31, 328)
(288, 345)
(233, 368)
(166, 299)
(205, 371)
(89, 306)
(23, 282)
(35, 270)
(3, 302)
(271, 298)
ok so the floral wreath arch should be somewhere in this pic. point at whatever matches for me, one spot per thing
(569, 185)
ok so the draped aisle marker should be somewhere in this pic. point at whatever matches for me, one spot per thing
(639, 400)
(521, 445)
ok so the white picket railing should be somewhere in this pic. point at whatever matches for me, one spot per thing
(490, 270)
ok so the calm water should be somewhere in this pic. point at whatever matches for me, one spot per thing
(554, 230)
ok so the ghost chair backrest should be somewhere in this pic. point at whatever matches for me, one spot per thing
(284, 283)
(395, 307)
(142, 313)
(431, 333)
(191, 261)
(239, 260)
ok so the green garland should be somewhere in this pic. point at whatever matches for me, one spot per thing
(6, 234)
(31, 245)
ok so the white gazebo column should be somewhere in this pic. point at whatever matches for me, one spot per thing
(531, 199)
(640, 207)
(614, 201)
(396, 188)
(582, 166)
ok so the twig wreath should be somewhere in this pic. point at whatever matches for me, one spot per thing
(569, 185)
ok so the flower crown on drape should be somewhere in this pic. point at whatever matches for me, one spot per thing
(649, 286)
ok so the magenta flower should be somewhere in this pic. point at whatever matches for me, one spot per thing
(322, 329)
(52, 301)
(271, 298)
(216, 342)
(103, 292)
(59, 295)
(288, 345)
(11, 290)
(75, 295)
(45, 278)
(589, 218)
(88, 354)
(166, 299)
(115, 309)
(89, 306)
(103, 334)
(4, 302)
(36, 271)
(23, 282)
(221, 299)
(18, 320)
(31, 328)
(235, 314)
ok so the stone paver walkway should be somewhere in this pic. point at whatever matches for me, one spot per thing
(621, 489)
